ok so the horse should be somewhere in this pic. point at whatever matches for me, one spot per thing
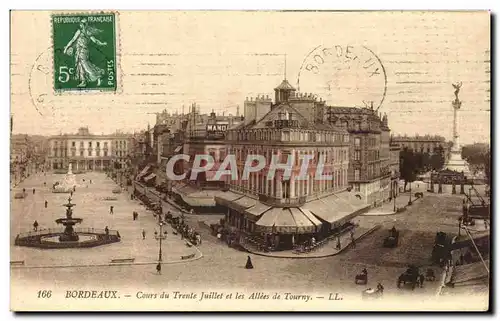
(420, 280)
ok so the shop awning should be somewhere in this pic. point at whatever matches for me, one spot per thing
(243, 203)
(198, 201)
(310, 216)
(256, 210)
(225, 198)
(337, 209)
(150, 177)
(285, 220)
(302, 222)
(143, 172)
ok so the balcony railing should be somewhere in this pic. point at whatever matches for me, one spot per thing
(282, 202)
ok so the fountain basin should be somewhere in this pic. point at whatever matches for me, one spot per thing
(51, 238)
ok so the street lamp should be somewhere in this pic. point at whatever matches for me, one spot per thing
(409, 202)
(162, 236)
(394, 186)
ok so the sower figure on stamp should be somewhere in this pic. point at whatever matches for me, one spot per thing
(85, 69)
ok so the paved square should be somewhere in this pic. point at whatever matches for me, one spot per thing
(94, 210)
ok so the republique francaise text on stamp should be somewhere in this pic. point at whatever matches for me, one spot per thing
(84, 52)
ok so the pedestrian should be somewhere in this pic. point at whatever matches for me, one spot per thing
(111, 209)
(380, 287)
(106, 230)
(35, 226)
(249, 264)
(24, 190)
(71, 193)
(338, 243)
(143, 234)
(46, 203)
(158, 268)
(33, 191)
(74, 188)
(44, 183)
(90, 181)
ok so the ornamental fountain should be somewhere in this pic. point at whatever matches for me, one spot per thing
(69, 237)
(69, 234)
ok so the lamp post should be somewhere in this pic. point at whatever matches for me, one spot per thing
(409, 202)
(394, 194)
(160, 237)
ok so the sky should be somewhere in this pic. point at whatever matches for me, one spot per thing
(171, 59)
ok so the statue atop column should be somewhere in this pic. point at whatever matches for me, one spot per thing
(457, 87)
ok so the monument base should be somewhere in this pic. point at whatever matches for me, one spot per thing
(457, 164)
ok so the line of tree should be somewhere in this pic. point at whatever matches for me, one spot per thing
(413, 163)
(478, 156)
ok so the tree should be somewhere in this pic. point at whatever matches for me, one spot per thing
(474, 153)
(437, 159)
(407, 166)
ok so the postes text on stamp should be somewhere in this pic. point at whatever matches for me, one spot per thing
(84, 48)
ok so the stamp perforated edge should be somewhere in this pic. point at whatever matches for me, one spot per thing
(119, 71)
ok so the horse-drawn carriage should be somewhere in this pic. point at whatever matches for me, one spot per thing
(440, 251)
(412, 277)
(392, 239)
(361, 278)
(429, 275)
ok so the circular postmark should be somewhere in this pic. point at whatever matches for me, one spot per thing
(344, 75)
(40, 84)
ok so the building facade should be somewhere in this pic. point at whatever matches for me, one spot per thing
(86, 151)
(282, 210)
(369, 153)
(423, 144)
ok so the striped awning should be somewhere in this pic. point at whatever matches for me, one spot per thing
(256, 210)
(286, 221)
(337, 209)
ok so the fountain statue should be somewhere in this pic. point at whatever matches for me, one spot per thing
(69, 234)
(68, 183)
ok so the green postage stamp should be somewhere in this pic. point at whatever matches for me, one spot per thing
(84, 48)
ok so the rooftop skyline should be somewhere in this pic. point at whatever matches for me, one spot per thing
(218, 59)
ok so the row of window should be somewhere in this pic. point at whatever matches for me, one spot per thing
(63, 153)
(257, 183)
(293, 135)
(335, 155)
(121, 144)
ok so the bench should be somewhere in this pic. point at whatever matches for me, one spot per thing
(186, 257)
(128, 260)
(16, 262)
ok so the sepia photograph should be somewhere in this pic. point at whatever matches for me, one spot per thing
(250, 160)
